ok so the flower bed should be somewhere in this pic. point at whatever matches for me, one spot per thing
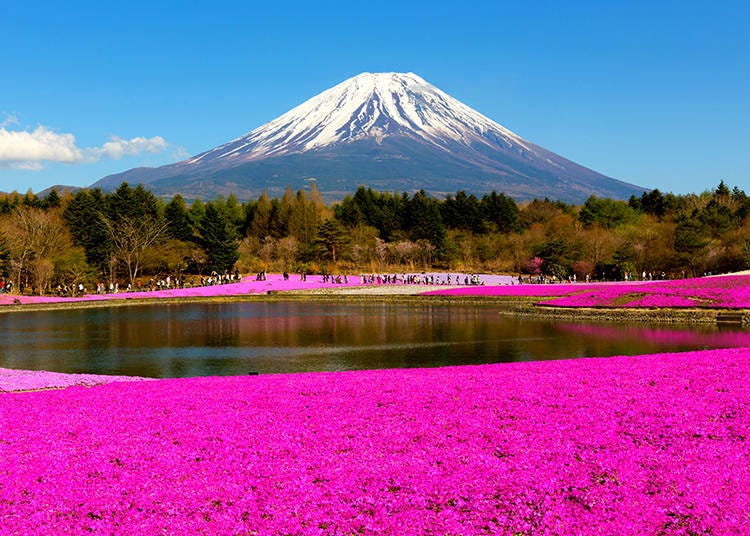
(274, 282)
(721, 292)
(562, 289)
(730, 292)
(637, 445)
(30, 380)
(248, 285)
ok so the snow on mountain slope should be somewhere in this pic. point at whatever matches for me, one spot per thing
(370, 105)
(389, 131)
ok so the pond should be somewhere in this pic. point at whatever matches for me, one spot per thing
(208, 339)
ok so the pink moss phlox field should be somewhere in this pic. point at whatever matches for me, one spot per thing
(722, 292)
(730, 292)
(29, 380)
(274, 282)
(562, 289)
(630, 445)
(248, 285)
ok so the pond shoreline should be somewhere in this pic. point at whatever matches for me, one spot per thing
(518, 306)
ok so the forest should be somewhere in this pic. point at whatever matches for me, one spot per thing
(56, 243)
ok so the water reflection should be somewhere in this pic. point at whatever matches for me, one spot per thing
(219, 339)
(708, 335)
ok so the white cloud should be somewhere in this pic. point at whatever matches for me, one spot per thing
(30, 149)
(180, 153)
(10, 119)
(21, 148)
(116, 148)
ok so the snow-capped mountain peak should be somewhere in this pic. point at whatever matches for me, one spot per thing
(389, 131)
(369, 105)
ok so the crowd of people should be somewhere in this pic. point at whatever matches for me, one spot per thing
(543, 279)
(336, 279)
(421, 279)
(168, 282)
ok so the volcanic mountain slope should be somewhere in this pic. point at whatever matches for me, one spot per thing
(389, 131)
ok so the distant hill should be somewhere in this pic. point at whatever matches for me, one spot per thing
(389, 131)
(61, 189)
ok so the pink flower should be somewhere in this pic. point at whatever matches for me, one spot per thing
(729, 292)
(625, 445)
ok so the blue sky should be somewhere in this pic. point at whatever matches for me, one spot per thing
(652, 93)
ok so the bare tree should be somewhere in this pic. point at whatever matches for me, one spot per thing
(381, 250)
(426, 252)
(130, 238)
(598, 244)
(405, 251)
(35, 237)
(198, 259)
(357, 254)
(71, 269)
(269, 249)
(287, 249)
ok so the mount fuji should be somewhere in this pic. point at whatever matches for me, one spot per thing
(388, 131)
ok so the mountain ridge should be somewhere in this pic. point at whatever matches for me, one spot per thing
(389, 131)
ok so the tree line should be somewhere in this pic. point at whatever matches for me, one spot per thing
(54, 243)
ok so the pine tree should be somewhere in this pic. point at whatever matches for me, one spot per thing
(501, 211)
(51, 200)
(425, 221)
(303, 220)
(347, 212)
(133, 203)
(316, 198)
(286, 205)
(219, 240)
(197, 210)
(83, 217)
(331, 240)
(179, 226)
(462, 212)
(31, 200)
(260, 225)
(690, 241)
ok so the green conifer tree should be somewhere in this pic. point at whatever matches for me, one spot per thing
(219, 240)
(179, 224)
